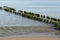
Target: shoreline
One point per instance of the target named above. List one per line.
(31, 38)
(32, 34)
(27, 31)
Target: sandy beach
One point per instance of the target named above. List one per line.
(31, 38)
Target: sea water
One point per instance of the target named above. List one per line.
(45, 7)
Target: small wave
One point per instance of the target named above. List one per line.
(12, 31)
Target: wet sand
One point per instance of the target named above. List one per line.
(31, 38)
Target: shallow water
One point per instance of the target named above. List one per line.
(27, 31)
(8, 19)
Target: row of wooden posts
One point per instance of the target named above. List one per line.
(34, 16)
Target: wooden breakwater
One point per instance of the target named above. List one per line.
(34, 16)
